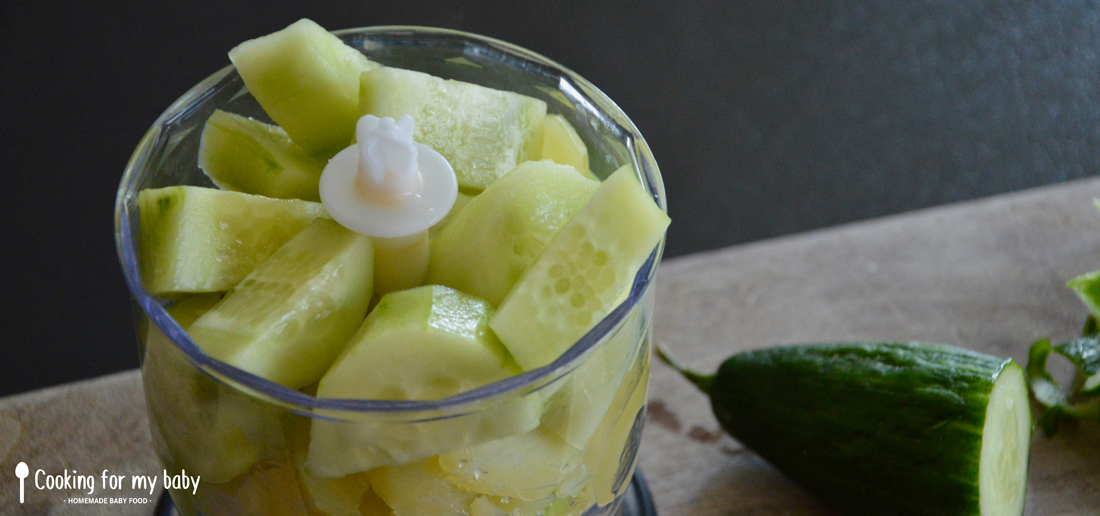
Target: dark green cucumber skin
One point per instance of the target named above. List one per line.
(869, 428)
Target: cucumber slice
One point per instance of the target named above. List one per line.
(483, 132)
(245, 155)
(573, 284)
(308, 82)
(204, 427)
(206, 240)
(562, 144)
(883, 428)
(290, 318)
(487, 246)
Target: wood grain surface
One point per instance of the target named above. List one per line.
(987, 275)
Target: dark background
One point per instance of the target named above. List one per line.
(766, 117)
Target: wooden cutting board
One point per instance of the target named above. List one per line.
(987, 275)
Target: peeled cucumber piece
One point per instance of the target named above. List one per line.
(245, 155)
(461, 200)
(307, 81)
(579, 406)
(195, 239)
(426, 343)
(562, 144)
(528, 467)
(483, 132)
(499, 234)
(289, 319)
(419, 489)
(611, 456)
(583, 270)
(883, 428)
(204, 427)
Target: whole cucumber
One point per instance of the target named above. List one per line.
(883, 428)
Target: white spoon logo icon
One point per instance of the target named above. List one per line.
(21, 471)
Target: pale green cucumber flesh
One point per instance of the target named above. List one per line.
(581, 273)
(204, 426)
(290, 318)
(884, 428)
(307, 81)
(499, 234)
(529, 466)
(1006, 440)
(194, 239)
(482, 132)
(562, 144)
(426, 343)
(245, 155)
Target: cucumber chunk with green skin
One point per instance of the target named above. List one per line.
(883, 428)
(487, 246)
(245, 155)
(483, 132)
(582, 271)
(195, 239)
(425, 343)
(289, 319)
(307, 81)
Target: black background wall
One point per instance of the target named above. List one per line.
(767, 118)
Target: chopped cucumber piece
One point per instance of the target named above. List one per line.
(426, 343)
(575, 410)
(1087, 287)
(883, 428)
(482, 506)
(562, 144)
(308, 82)
(461, 200)
(483, 132)
(289, 319)
(609, 456)
(196, 239)
(573, 284)
(270, 488)
(488, 245)
(245, 155)
(419, 489)
(205, 427)
(528, 466)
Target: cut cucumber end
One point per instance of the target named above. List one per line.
(1006, 439)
